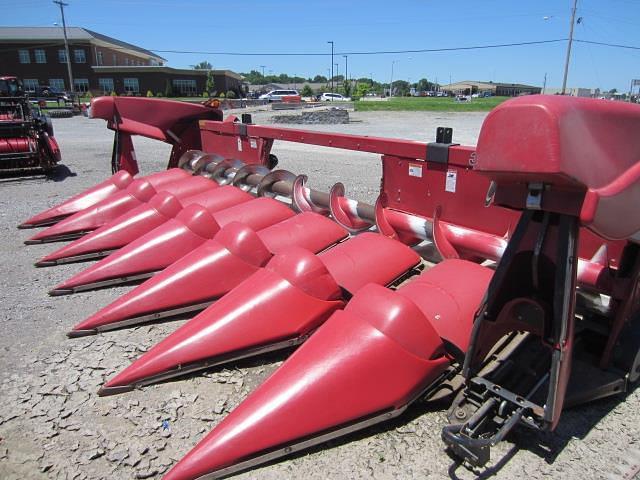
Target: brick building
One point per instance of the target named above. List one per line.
(100, 64)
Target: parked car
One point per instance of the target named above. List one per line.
(45, 91)
(333, 97)
(276, 95)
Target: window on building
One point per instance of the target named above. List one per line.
(126, 61)
(57, 83)
(23, 55)
(41, 56)
(30, 84)
(99, 59)
(131, 85)
(114, 57)
(62, 56)
(79, 56)
(81, 85)
(106, 85)
(184, 87)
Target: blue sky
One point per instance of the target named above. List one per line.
(306, 26)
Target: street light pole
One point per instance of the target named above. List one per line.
(61, 4)
(337, 74)
(346, 68)
(391, 82)
(331, 42)
(566, 62)
(262, 67)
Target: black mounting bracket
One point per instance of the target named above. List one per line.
(438, 151)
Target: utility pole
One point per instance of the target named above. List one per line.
(566, 62)
(61, 4)
(346, 68)
(262, 67)
(544, 85)
(391, 82)
(331, 42)
(337, 65)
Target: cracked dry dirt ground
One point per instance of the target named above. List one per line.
(54, 426)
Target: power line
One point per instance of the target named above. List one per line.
(377, 52)
(616, 45)
(381, 52)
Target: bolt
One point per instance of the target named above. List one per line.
(460, 414)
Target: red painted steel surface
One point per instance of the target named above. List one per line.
(449, 295)
(287, 299)
(371, 357)
(217, 266)
(578, 143)
(149, 117)
(147, 216)
(368, 258)
(291, 295)
(386, 146)
(83, 200)
(137, 192)
(16, 145)
(164, 245)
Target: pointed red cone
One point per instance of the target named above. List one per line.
(79, 202)
(139, 192)
(273, 309)
(117, 182)
(164, 245)
(364, 365)
(142, 219)
(212, 270)
(292, 295)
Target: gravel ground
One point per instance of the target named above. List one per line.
(54, 426)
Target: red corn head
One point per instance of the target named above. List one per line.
(172, 240)
(109, 209)
(278, 306)
(212, 270)
(142, 219)
(367, 362)
(97, 193)
(365, 365)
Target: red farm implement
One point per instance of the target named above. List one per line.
(530, 303)
(26, 136)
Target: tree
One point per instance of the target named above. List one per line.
(320, 79)
(362, 88)
(401, 88)
(424, 85)
(204, 65)
(210, 86)
(306, 91)
(346, 88)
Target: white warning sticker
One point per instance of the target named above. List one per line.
(253, 143)
(239, 144)
(415, 170)
(450, 184)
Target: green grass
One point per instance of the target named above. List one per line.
(434, 104)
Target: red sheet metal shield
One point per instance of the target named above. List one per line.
(370, 359)
(138, 192)
(142, 219)
(79, 202)
(164, 245)
(211, 270)
(276, 307)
